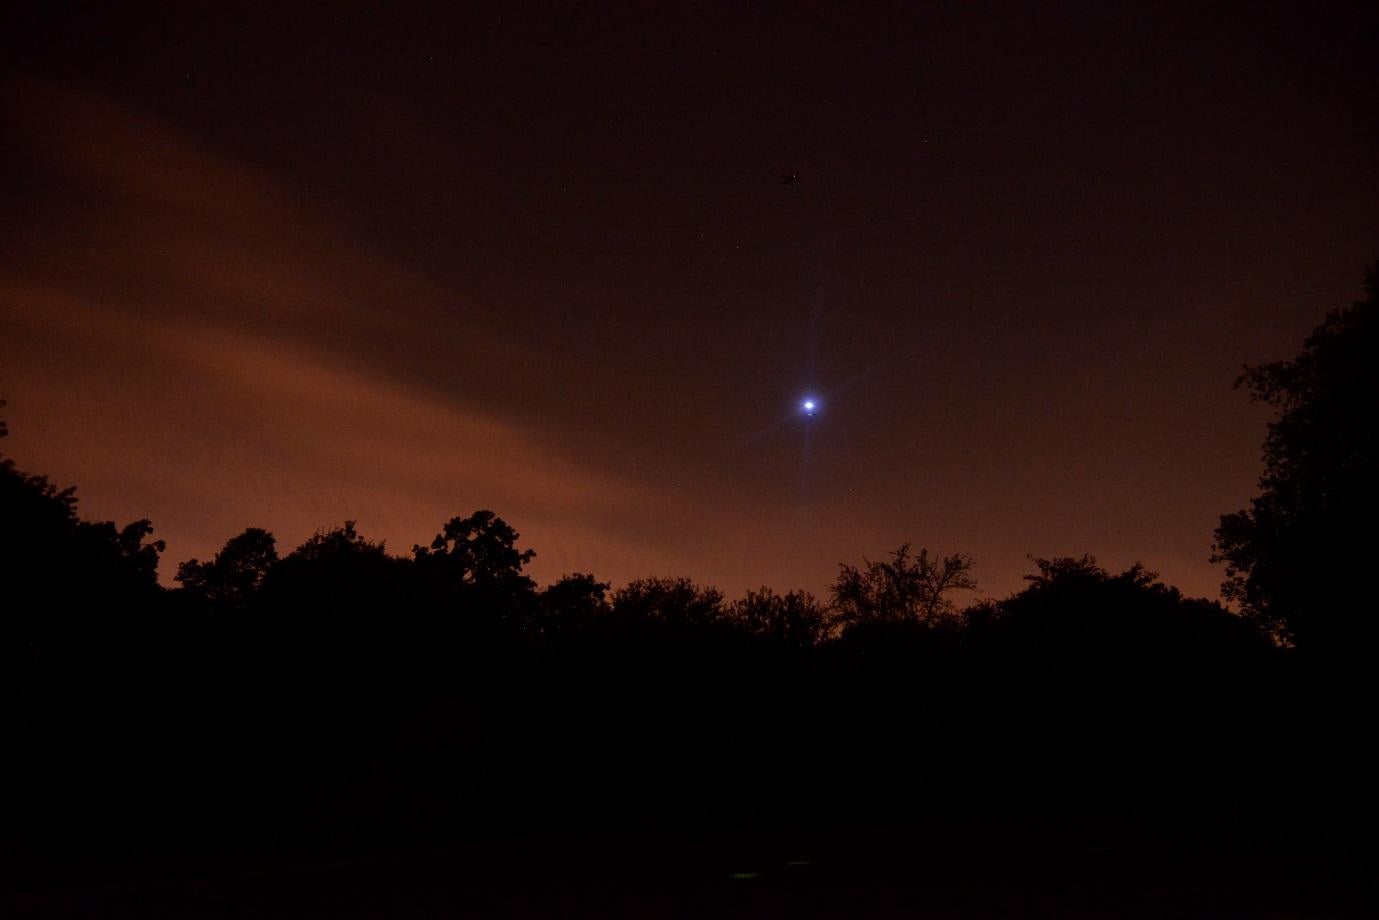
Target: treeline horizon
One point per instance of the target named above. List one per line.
(327, 655)
(339, 691)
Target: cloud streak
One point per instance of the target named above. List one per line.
(199, 346)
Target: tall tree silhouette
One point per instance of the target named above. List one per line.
(475, 565)
(911, 588)
(477, 550)
(48, 551)
(1295, 559)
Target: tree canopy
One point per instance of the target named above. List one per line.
(1297, 556)
(907, 588)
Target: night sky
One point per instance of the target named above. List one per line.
(357, 262)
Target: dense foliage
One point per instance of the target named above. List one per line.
(1297, 557)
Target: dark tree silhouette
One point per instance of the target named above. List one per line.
(1075, 609)
(474, 566)
(330, 553)
(50, 556)
(676, 601)
(477, 550)
(794, 619)
(1099, 683)
(1296, 558)
(570, 604)
(336, 574)
(236, 572)
(909, 588)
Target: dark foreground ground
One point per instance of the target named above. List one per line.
(1094, 868)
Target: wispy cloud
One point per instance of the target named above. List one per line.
(187, 339)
